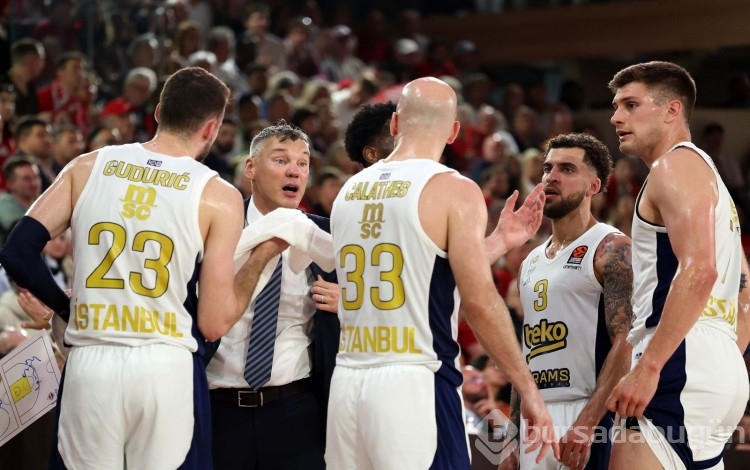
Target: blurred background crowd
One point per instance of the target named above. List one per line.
(77, 75)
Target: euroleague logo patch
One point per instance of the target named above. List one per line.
(578, 253)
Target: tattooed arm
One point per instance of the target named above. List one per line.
(743, 322)
(614, 271)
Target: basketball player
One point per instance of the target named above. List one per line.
(368, 139)
(407, 231)
(575, 291)
(688, 385)
(149, 222)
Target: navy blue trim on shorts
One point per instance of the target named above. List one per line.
(452, 451)
(710, 463)
(666, 411)
(601, 451)
(199, 455)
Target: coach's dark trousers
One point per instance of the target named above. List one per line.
(285, 434)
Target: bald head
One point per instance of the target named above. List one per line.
(427, 107)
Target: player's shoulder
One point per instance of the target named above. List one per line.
(614, 246)
(456, 187)
(681, 162)
(219, 192)
(453, 194)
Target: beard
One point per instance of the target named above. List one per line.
(558, 210)
(203, 153)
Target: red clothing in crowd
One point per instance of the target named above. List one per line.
(71, 109)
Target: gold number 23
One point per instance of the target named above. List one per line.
(98, 279)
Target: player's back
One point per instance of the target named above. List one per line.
(398, 298)
(137, 246)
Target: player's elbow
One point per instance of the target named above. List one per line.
(701, 275)
(212, 329)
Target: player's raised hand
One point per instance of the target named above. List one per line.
(515, 226)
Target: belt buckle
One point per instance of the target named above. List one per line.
(250, 393)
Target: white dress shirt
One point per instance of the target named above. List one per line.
(291, 357)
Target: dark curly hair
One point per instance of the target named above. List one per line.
(596, 154)
(369, 128)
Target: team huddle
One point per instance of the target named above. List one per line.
(641, 338)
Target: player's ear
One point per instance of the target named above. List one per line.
(674, 110)
(454, 132)
(209, 128)
(370, 154)
(157, 112)
(394, 124)
(595, 186)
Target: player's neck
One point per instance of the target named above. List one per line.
(417, 148)
(567, 229)
(171, 145)
(664, 144)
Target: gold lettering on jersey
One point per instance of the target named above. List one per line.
(138, 202)
(112, 317)
(734, 222)
(140, 174)
(725, 309)
(551, 378)
(544, 338)
(379, 339)
(368, 190)
(372, 220)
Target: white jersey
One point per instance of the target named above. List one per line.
(137, 247)
(565, 339)
(655, 264)
(399, 300)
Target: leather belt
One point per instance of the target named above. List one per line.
(249, 398)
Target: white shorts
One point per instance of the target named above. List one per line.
(126, 406)
(395, 417)
(563, 416)
(701, 396)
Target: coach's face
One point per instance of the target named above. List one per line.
(279, 174)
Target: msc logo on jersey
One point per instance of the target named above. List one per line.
(385, 176)
(372, 220)
(138, 202)
(544, 338)
(156, 163)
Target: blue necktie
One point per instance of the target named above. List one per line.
(263, 332)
